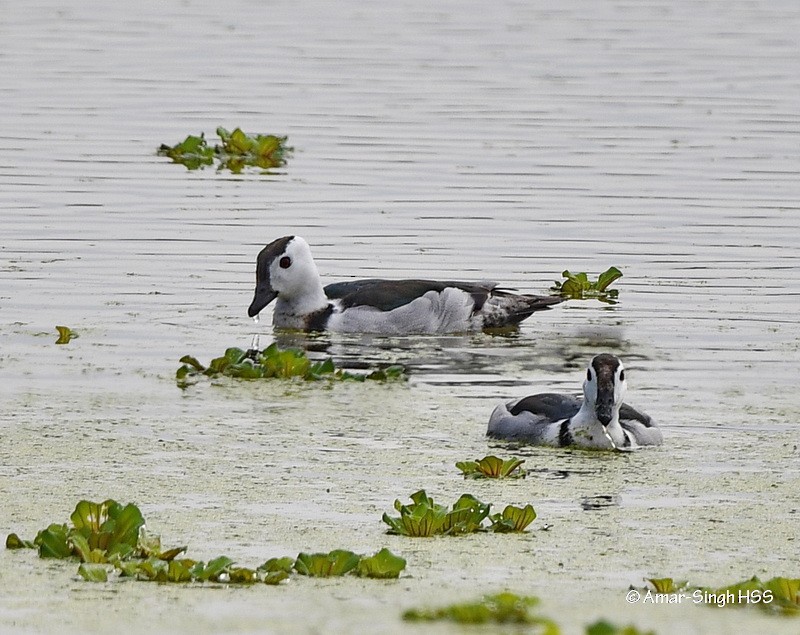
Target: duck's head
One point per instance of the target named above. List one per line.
(604, 386)
(285, 269)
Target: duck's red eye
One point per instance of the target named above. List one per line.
(285, 262)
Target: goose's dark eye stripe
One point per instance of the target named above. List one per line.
(588, 375)
(622, 375)
(285, 262)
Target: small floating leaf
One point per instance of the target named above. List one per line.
(666, 585)
(275, 577)
(323, 565)
(93, 572)
(193, 152)
(65, 334)
(213, 569)
(278, 564)
(513, 519)
(578, 286)
(53, 543)
(15, 542)
(383, 564)
(501, 608)
(603, 627)
(606, 278)
(492, 467)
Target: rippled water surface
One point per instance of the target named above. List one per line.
(443, 140)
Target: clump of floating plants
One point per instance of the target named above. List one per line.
(424, 518)
(499, 608)
(107, 537)
(236, 151)
(65, 334)
(603, 627)
(578, 286)
(776, 595)
(492, 467)
(274, 362)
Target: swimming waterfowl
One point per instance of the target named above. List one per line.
(286, 270)
(600, 420)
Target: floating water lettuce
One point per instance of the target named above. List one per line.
(577, 286)
(324, 565)
(383, 564)
(239, 150)
(667, 585)
(776, 595)
(193, 152)
(513, 519)
(274, 362)
(65, 334)
(108, 537)
(492, 467)
(424, 517)
(602, 627)
(500, 608)
(236, 151)
(93, 572)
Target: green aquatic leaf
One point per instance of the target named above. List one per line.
(81, 548)
(53, 543)
(500, 608)
(513, 519)
(322, 565)
(383, 564)
(275, 577)
(607, 277)
(108, 526)
(578, 286)
(93, 572)
(467, 515)
(236, 151)
(213, 569)
(192, 362)
(603, 627)
(15, 542)
(424, 518)
(395, 371)
(65, 334)
(149, 546)
(666, 585)
(784, 589)
(274, 362)
(777, 595)
(492, 467)
(278, 564)
(193, 152)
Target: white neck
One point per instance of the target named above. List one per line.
(588, 431)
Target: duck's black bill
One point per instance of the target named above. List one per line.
(605, 412)
(264, 295)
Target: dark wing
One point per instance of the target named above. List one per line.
(550, 406)
(629, 413)
(387, 295)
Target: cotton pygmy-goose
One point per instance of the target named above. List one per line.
(286, 270)
(600, 420)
